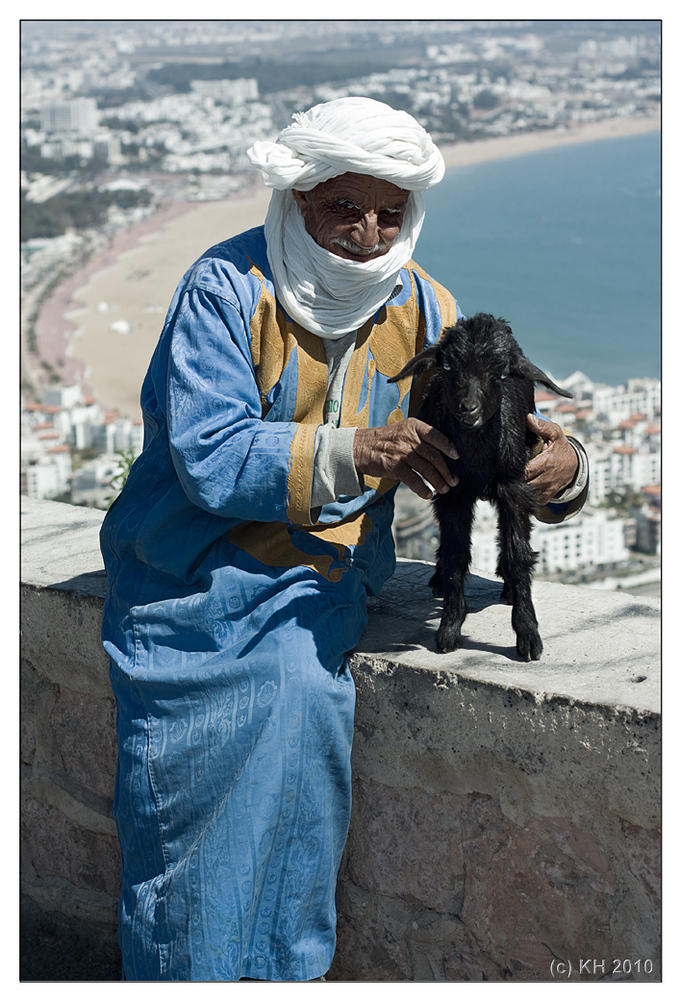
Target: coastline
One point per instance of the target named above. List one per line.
(134, 280)
(464, 153)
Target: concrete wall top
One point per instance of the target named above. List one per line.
(60, 547)
(600, 648)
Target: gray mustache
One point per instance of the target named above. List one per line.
(347, 244)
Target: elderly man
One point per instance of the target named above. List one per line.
(247, 538)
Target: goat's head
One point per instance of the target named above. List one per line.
(474, 358)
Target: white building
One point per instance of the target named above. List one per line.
(648, 528)
(118, 433)
(63, 396)
(40, 480)
(231, 91)
(91, 485)
(59, 149)
(104, 146)
(634, 468)
(599, 459)
(592, 538)
(618, 403)
(45, 473)
(613, 469)
(80, 116)
(107, 147)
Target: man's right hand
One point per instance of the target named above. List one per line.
(406, 451)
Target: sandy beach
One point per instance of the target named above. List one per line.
(129, 288)
(465, 153)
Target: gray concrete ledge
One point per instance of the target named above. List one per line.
(504, 813)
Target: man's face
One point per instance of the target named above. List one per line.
(353, 216)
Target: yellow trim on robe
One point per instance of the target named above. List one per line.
(300, 475)
(384, 346)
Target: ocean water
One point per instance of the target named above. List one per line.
(565, 244)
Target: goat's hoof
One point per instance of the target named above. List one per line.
(529, 647)
(447, 639)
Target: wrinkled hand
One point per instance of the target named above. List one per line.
(406, 451)
(557, 464)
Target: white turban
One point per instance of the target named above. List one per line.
(325, 293)
(351, 135)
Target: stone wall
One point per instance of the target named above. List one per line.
(531, 790)
(505, 823)
(69, 848)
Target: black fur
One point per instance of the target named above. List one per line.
(480, 390)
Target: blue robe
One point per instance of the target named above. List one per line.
(231, 609)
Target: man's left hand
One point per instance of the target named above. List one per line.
(557, 464)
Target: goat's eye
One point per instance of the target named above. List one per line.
(446, 366)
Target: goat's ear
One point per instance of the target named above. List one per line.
(523, 367)
(426, 359)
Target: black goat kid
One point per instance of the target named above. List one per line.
(480, 390)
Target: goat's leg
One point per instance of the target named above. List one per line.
(516, 562)
(453, 563)
(436, 582)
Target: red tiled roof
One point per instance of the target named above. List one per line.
(41, 408)
(623, 450)
(58, 447)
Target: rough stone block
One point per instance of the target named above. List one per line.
(532, 893)
(373, 935)
(28, 709)
(85, 737)
(393, 830)
(60, 636)
(54, 846)
(643, 853)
